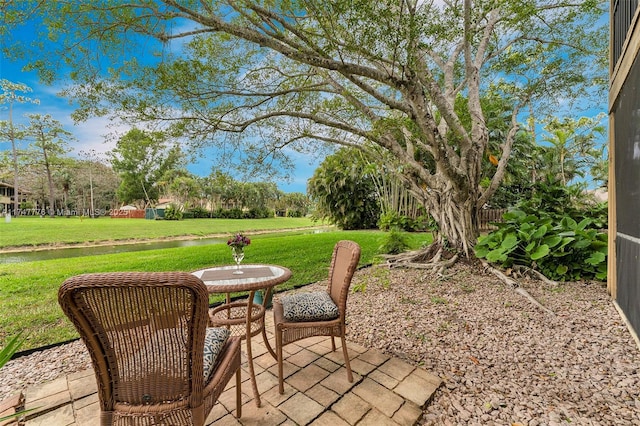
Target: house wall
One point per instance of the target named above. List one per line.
(624, 161)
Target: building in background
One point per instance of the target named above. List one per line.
(7, 195)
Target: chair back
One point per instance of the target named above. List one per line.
(144, 332)
(344, 262)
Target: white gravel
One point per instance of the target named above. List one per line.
(503, 360)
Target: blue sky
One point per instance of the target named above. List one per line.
(91, 134)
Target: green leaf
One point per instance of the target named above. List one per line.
(539, 232)
(540, 252)
(481, 251)
(12, 347)
(568, 222)
(496, 255)
(524, 235)
(509, 242)
(527, 227)
(595, 258)
(545, 222)
(580, 244)
(484, 239)
(530, 246)
(562, 269)
(552, 240)
(565, 241)
(512, 215)
(567, 234)
(584, 222)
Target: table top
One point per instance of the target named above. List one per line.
(220, 279)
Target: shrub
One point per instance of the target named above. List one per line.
(235, 213)
(561, 249)
(258, 213)
(198, 213)
(344, 191)
(173, 212)
(395, 242)
(554, 232)
(392, 220)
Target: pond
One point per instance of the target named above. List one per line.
(30, 256)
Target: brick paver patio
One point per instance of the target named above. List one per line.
(385, 391)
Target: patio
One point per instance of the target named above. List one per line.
(385, 390)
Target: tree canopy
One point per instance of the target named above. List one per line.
(142, 159)
(408, 76)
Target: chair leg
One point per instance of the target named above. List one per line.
(106, 418)
(333, 344)
(346, 358)
(280, 360)
(238, 394)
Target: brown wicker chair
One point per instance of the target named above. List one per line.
(346, 255)
(145, 333)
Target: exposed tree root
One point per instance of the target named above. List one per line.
(430, 257)
(438, 266)
(516, 287)
(524, 270)
(438, 259)
(433, 257)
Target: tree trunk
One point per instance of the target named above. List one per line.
(14, 152)
(16, 196)
(52, 197)
(457, 222)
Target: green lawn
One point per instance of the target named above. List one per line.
(36, 231)
(28, 290)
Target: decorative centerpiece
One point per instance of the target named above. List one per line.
(237, 243)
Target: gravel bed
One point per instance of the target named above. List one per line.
(503, 361)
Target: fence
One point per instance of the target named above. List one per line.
(485, 217)
(127, 214)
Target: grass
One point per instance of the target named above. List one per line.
(28, 290)
(36, 231)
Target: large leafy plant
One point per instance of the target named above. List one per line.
(552, 234)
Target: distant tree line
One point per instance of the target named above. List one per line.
(144, 169)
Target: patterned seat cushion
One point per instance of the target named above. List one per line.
(214, 340)
(315, 306)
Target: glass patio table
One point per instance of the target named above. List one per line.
(243, 318)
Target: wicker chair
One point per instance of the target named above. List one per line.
(145, 333)
(346, 255)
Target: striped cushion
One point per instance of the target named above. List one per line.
(315, 306)
(214, 340)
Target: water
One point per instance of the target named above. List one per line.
(30, 256)
(63, 253)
